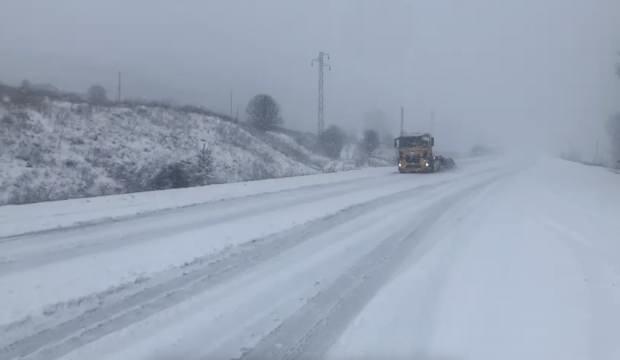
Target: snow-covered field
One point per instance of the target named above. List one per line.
(498, 259)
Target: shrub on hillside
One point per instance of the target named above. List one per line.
(202, 172)
(36, 185)
(171, 176)
(28, 195)
(258, 171)
(181, 174)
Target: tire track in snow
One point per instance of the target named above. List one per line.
(201, 275)
(310, 332)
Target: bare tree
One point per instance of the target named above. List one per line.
(613, 128)
(97, 95)
(370, 141)
(332, 141)
(264, 112)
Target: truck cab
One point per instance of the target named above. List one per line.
(415, 153)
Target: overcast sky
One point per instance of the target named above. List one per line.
(495, 71)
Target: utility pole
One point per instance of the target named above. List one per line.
(119, 87)
(596, 151)
(322, 64)
(231, 104)
(432, 121)
(402, 121)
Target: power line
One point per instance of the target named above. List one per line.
(322, 65)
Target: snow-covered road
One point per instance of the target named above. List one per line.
(496, 259)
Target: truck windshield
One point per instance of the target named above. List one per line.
(404, 142)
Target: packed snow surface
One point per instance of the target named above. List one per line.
(498, 259)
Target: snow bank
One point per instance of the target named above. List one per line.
(19, 219)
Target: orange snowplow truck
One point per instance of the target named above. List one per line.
(415, 154)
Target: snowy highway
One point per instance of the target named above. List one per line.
(495, 259)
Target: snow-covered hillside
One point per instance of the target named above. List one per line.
(57, 149)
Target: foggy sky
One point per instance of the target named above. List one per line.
(535, 71)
